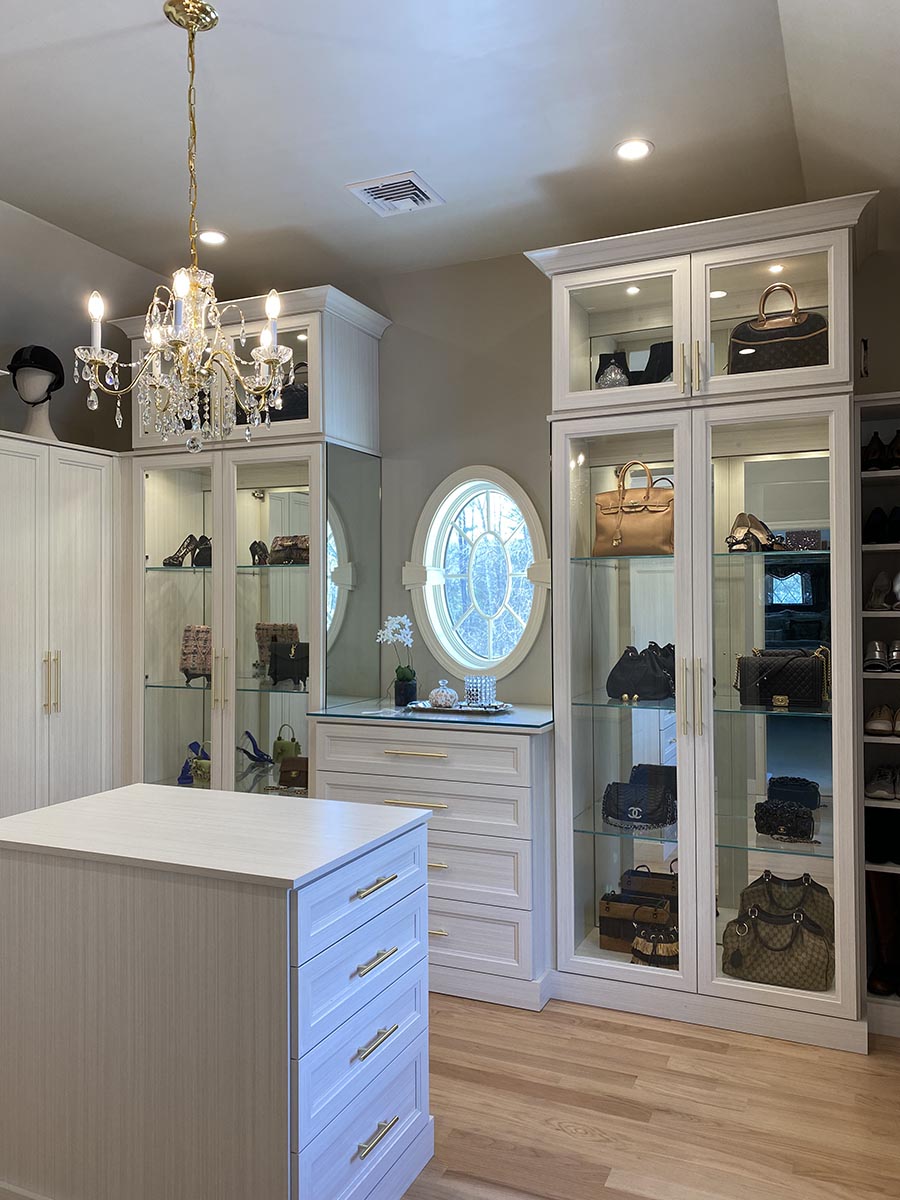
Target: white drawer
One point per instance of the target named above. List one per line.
(330, 988)
(337, 1165)
(495, 810)
(483, 870)
(327, 1079)
(480, 937)
(331, 907)
(423, 754)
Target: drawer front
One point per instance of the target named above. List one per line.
(337, 983)
(327, 1078)
(480, 937)
(479, 758)
(479, 869)
(328, 909)
(348, 1158)
(495, 810)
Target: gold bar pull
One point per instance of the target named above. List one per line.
(684, 721)
(415, 804)
(56, 659)
(698, 696)
(215, 678)
(380, 957)
(682, 373)
(380, 882)
(438, 933)
(384, 1128)
(695, 367)
(416, 754)
(378, 1040)
(438, 866)
(46, 704)
(223, 690)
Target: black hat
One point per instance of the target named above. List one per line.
(41, 359)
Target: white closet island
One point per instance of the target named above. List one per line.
(209, 996)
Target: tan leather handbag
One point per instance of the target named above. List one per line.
(634, 521)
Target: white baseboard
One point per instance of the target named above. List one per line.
(883, 1015)
(811, 1029)
(408, 1167)
(532, 994)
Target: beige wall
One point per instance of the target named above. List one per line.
(46, 276)
(465, 380)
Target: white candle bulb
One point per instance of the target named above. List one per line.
(156, 344)
(273, 309)
(95, 312)
(265, 338)
(181, 285)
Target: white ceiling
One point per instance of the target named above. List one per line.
(508, 108)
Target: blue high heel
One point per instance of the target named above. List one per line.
(258, 755)
(186, 779)
(198, 750)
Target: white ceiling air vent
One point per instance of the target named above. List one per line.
(395, 194)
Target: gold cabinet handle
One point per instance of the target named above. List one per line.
(215, 678)
(56, 661)
(684, 720)
(698, 696)
(46, 705)
(417, 753)
(682, 373)
(378, 1040)
(380, 882)
(695, 367)
(415, 804)
(438, 866)
(223, 690)
(384, 1128)
(380, 957)
(438, 933)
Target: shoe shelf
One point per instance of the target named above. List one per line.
(881, 548)
(871, 802)
(880, 613)
(883, 868)
(892, 475)
(885, 739)
(894, 675)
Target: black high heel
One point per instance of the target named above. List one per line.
(188, 546)
(259, 554)
(202, 556)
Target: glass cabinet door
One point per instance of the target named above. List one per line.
(273, 662)
(778, 811)
(179, 622)
(624, 328)
(628, 838)
(771, 315)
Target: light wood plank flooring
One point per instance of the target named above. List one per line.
(579, 1103)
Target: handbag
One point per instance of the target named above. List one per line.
(647, 801)
(788, 950)
(784, 678)
(201, 764)
(289, 660)
(779, 342)
(784, 820)
(634, 521)
(294, 772)
(292, 550)
(643, 675)
(285, 747)
(785, 896)
(619, 914)
(270, 631)
(652, 883)
(796, 789)
(655, 948)
(195, 659)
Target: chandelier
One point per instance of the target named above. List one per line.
(191, 382)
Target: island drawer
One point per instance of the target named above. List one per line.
(464, 756)
(332, 986)
(483, 870)
(496, 810)
(480, 937)
(348, 1158)
(329, 1076)
(328, 909)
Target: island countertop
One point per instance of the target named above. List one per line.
(284, 842)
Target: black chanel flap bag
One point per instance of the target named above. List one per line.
(780, 341)
(784, 678)
(796, 789)
(647, 801)
(784, 820)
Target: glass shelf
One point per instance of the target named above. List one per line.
(739, 833)
(198, 686)
(590, 820)
(242, 568)
(740, 556)
(249, 684)
(727, 705)
(187, 569)
(595, 700)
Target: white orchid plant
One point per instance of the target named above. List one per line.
(397, 632)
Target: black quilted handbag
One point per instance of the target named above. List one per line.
(784, 820)
(796, 789)
(784, 678)
(289, 660)
(647, 801)
(779, 342)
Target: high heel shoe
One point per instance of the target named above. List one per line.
(259, 554)
(764, 535)
(741, 539)
(258, 755)
(875, 454)
(188, 546)
(881, 588)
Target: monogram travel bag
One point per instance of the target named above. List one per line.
(780, 341)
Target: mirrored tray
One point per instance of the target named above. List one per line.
(462, 708)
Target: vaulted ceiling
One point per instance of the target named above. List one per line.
(510, 109)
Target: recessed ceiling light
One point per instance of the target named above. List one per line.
(634, 148)
(212, 237)
(776, 269)
(718, 295)
(748, 350)
(301, 337)
(632, 291)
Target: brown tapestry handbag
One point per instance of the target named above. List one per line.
(655, 948)
(195, 660)
(781, 341)
(620, 914)
(781, 950)
(653, 883)
(292, 550)
(270, 631)
(634, 520)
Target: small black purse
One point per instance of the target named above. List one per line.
(647, 801)
(784, 821)
(289, 660)
(795, 789)
(643, 675)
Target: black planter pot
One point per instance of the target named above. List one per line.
(404, 692)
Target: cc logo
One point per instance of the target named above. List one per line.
(634, 813)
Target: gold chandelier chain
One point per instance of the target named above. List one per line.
(192, 147)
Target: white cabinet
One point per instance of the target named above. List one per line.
(656, 318)
(56, 595)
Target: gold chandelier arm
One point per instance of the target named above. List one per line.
(108, 391)
(249, 388)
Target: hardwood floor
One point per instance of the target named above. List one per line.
(579, 1103)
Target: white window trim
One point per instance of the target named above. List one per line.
(419, 575)
(343, 576)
